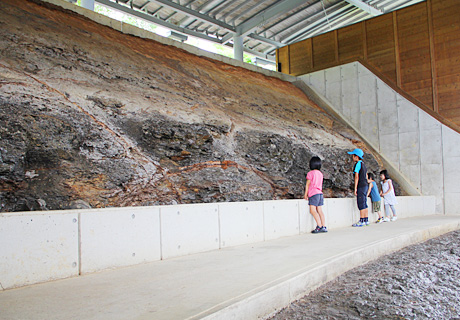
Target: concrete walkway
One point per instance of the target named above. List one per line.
(245, 282)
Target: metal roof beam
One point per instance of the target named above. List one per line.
(205, 7)
(343, 20)
(311, 25)
(366, 7)
(266, 40)
(196, 14)
(311, 16)
(247, 10)
(254, 36)
(264, 16)
(286, 18)
(227, 4)
(148, 17)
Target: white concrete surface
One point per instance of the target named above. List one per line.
(241, 223)
(118, 237)
(189, 229)
(281, 219)
(418, 148)
(244, 282)
(39, 247)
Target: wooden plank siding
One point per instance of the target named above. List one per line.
(324, 47)
(350, 43)
(381, 45)
(446, 30)
(414, 53)
(415, 49)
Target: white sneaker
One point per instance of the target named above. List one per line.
(394, 218)
(386, 219)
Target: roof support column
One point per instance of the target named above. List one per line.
(88, 4)
(238, 47)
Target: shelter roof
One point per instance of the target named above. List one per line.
(265, 25)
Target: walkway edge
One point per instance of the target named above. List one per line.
(263, 304)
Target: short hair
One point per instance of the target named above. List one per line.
(315, 163)
(370, 175)
(385, 173)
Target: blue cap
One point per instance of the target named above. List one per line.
(357, 152)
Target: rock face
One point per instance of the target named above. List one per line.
(90, 117)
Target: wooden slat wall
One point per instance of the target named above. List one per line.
(324, 50)
(300, 54)
(414, 53)
(351, 42)
(381, 45)
(446, 29)
(282, 59)
(416, 49)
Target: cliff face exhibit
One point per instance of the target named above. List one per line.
(91, 117)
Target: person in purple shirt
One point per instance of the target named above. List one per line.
(314, 194)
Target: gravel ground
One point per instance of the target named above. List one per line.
(418, 282)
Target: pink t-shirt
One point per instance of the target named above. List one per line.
(316, 184)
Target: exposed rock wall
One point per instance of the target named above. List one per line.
(90, 116)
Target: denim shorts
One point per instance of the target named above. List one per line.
(316, 200)
(361, 197)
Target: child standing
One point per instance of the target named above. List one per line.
(388, 193)
(375, 197)
(314, 194)
(361, 187)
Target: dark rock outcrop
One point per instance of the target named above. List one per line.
(89, 115)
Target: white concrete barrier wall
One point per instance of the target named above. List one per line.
(118, 237)
(42, 246)
(37, 247)
(189, 229)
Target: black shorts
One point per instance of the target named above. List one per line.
(361, 197)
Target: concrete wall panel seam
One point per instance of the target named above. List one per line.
(79, 243)
(161, 234)
(444, 171)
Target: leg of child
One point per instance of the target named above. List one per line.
(321, 216)
(393, 209)
(315, 215)
(379, 208)
(387, 210)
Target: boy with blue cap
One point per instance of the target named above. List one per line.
(361, 187)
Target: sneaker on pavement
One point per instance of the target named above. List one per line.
(379, 220)
(316, 230)
(358, 224)
(394, 218)
(323, 229)
(366, 223)
(386, 219)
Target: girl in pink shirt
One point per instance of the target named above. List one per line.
(314, 194)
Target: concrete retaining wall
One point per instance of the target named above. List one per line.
(420, 148)
(49, 245)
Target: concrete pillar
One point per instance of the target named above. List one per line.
(238, 47)
(88, 4)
